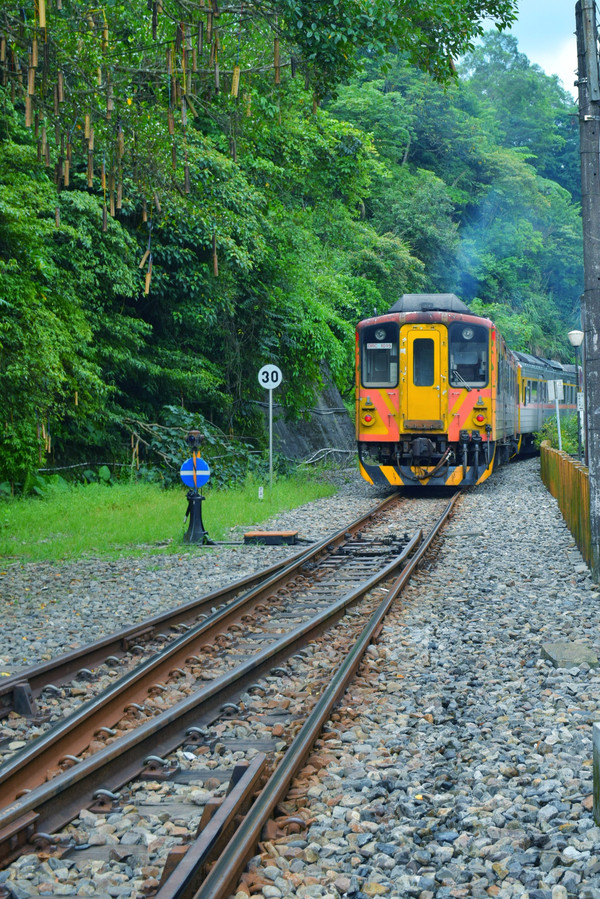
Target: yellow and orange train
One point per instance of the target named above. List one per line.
(441, 400)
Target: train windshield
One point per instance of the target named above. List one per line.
(379, 355)
(469, 355)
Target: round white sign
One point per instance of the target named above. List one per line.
(270, 377)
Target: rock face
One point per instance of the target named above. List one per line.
(329, 427)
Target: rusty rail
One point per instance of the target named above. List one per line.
(56, 802)
(18, 691)
(568, 482)
(225, 873)
(25, 769)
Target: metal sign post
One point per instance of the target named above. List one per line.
(270, 377)
(195, 473)
(556, 392)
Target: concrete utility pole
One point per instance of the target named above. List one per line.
(589, 133)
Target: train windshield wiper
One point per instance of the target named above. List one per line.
(459, 377)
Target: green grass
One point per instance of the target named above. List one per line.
(135, 519)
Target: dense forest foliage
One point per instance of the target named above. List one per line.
(181, 202)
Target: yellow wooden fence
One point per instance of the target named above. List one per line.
(568, 481)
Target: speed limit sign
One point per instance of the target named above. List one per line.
(270, 377)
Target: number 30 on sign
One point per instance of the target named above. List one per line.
(270, 377)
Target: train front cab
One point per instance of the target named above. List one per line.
(425, 400)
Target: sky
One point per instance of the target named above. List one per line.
(545, 30)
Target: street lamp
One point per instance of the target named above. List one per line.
(576, 339)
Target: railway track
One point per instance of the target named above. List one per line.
(154, 724)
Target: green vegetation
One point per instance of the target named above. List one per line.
(186, 194)
(136, 519)
(568, 433)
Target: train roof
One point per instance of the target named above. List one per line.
(528, 360)
(430, 302)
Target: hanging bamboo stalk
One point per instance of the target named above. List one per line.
(148, 276)
(191, 106)
(60, 86)
(86, 126)
(111, 193)
(91, 139)
(200, 38)
(90, 169)
(2, 48)
(157, 202)
(34, 53)
(55, 99)
(42, 13)
(235, 81)
(144, 211)
(120, 142)
(28, 116)
(215, 257)
(154, 20)
(119, 203)
(276, 60)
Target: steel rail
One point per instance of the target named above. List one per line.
(52, 805)
(65, 667)
(73, 734)
(18, 691)
(225, 873)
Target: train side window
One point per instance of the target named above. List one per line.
(379, 355)
(423, 361)
(534, 386)
(524, 393)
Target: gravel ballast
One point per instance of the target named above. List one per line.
(458, 764)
